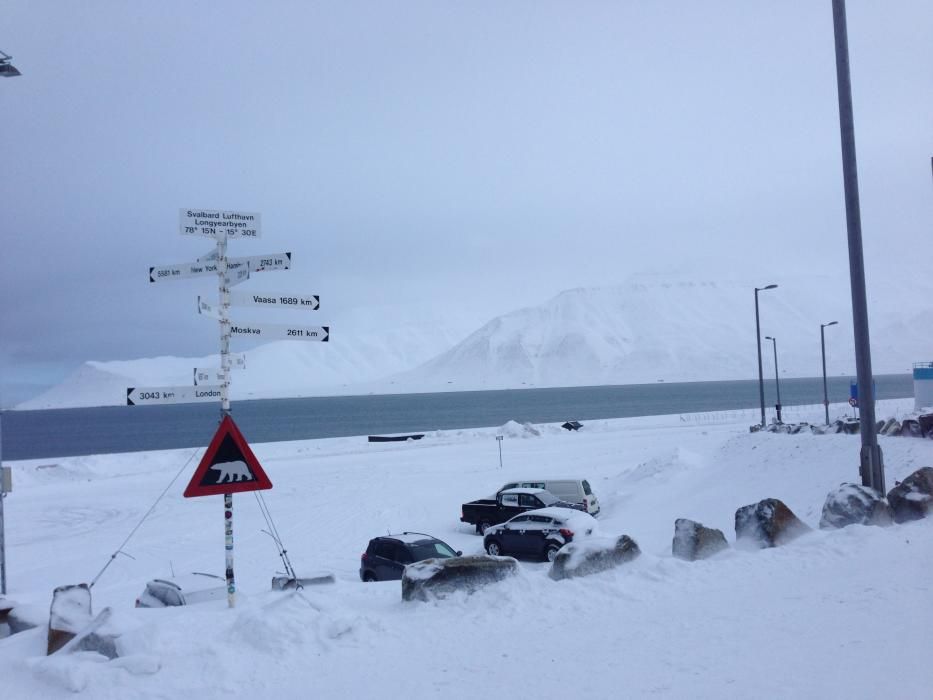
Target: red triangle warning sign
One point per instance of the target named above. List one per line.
(228, 466)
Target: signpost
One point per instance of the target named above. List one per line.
(155, 395)
(228, 454)
(275, 331)
(213, 223)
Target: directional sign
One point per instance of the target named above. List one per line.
(308, 302)
(270, 331)
(228, 465)
(149, 396)
(211, 223)
(236, 267)
(205, 308)
(189, 269)
(258, 263)
(215, 375)
(231, 279)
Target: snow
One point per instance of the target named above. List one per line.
(835, 613)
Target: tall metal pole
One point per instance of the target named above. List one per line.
(823, 351)
(761, 377)
(777, 381)
(871, 463)
(225, 404)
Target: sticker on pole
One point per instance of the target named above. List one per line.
(228, 466)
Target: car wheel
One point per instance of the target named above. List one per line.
(369, 578)
(483, 526)
(493, 548)
(551, 552)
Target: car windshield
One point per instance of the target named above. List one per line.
(547, 498)
(429, 550)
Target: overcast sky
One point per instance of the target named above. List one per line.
(474, 156)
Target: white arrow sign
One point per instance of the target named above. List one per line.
(269, 331)
(211, 222)
(236, 267)
(308, 302)
(205, 308)
(146, 396)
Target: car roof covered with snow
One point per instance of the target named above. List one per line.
(410, 537)
(533, 492)
(565, 515)
(192, 582)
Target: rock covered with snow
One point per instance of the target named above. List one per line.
(768, 523)
(592, 555)
(851, 504)
(912, 498)
(515, 429)
(436, 578)
(693, 541)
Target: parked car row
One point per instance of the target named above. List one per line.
(526, 518)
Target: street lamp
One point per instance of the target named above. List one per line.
(871, 463)
(7, 69)
(761, 379)
(777, 381)
(823, 349)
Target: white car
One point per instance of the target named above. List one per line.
(538, 533)
(571, 490)
(187, 589)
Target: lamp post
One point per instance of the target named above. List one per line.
(7, 69)
(777, 381)
(761, 378)
(823, 350)
(871, 463)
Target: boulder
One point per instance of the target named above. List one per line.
(855, 504)
(768, 523)
(892, 427)
(693, 540)
(592, 555)
(926, 425)
(911, 428)
(851, 427)
(912, 499)
(438, 577)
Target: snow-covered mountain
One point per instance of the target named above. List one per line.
(652, 328)
(659, 328)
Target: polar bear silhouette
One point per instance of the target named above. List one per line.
(232, 471)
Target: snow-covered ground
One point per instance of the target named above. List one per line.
(834, 614)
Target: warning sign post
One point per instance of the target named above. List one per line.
(227, 467)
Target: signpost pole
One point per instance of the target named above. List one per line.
(225, 404)
(2, 535)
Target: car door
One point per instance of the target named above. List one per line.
(512, 535)
(387, 565)
(537, 532)
(508, 506)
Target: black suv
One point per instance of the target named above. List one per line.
(385, 557)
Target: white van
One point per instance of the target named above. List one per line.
(572, 490)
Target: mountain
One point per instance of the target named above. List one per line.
(668, 329)
(652, 328)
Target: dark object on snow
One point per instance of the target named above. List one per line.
(572, 425)
(395, 438)
(926, 425)
(852, 504)
(287, 583)
(768, 523)
(892, 427)
(851, 427)
(435, 578)
(911, 428)
(72, 627)
(588, 557)
(5, 607)
(912, 499)
(693, 540)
